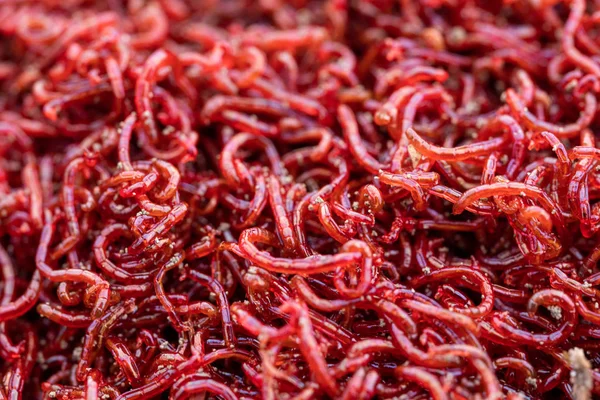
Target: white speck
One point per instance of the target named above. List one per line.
(555, 312)
(415, 156)
(77, 353)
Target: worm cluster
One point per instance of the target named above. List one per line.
(303, 199)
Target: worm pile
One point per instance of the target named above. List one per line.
(303, 199)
